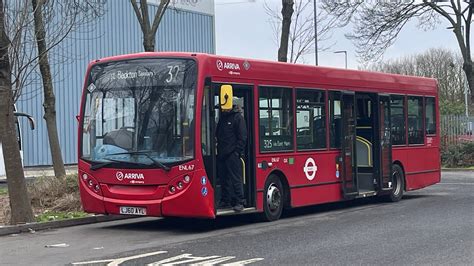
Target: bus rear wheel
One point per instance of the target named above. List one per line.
(273, 199)
(398, 179)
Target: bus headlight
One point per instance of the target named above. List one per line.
(89, 181)
(187, 179)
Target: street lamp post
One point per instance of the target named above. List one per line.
(345, 56)
(315, 32)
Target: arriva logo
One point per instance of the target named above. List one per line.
(131, 176)
(227, 65)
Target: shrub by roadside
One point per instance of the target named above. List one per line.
(460, 155)
(51, 199)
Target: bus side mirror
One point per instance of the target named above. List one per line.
(226, 95)
(78, 118)
(29, 117)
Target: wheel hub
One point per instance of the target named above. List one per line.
(396, 180)
(273, 197)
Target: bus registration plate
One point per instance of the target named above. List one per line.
(132, 210)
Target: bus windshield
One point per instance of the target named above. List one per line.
(140, 112)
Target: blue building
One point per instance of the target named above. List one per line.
(188, 25)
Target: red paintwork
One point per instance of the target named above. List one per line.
(154, 192)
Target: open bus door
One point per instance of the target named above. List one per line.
(385, 127)
(242, 96)
(348, 154)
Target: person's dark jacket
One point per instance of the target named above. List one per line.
(231, 133)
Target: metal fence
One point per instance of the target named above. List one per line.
(456, 129)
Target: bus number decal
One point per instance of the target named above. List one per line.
(172, 73)
(186, 167)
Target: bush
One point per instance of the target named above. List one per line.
(53, 194)
(460, 155)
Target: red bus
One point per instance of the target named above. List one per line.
(316, 134)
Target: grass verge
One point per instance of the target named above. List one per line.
(49, 216)
(52, 199)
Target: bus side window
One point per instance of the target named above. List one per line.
(397, 113)
(310, 119)
(275, 119)
(335, 119)
(415, 120)
(430, 116)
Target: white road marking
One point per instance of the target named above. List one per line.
(243, 262)
(178, 260)
(91, 262)
(185, 258)
(115, 262)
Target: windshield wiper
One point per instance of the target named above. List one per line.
(111, 161)
(147, 154)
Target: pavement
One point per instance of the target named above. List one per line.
(434, 225)
(38, 171)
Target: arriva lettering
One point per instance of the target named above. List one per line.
(133, 176)
(232, 66)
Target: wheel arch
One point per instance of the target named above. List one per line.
(286, 186)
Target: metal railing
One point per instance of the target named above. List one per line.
(456, 129)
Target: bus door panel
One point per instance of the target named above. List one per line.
(208, 142)
(348, 155)
(243, 95)
(385, 144)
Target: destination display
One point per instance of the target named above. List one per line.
(138, 73)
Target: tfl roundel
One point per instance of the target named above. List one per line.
(310, 168)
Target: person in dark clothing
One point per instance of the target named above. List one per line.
(231, 134)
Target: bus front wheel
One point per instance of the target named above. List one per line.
(398, 179)
(273, 199)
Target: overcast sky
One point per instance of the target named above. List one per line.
(244, 30)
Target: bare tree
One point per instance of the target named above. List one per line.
(442, 64)
(301, 30)
(286, 12)
(149, 30)
(53, 22)
(378, 23)
(20, 205)
(18, 44)
(49, 103)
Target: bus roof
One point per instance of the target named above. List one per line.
(266, 72)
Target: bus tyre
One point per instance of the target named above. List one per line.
(273, 199)
(398, 179)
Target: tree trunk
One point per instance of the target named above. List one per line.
(469, 71)
(149, 42)
(287, 12)
(48, 91)
(20, 204)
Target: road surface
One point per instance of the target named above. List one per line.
(434, 225)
